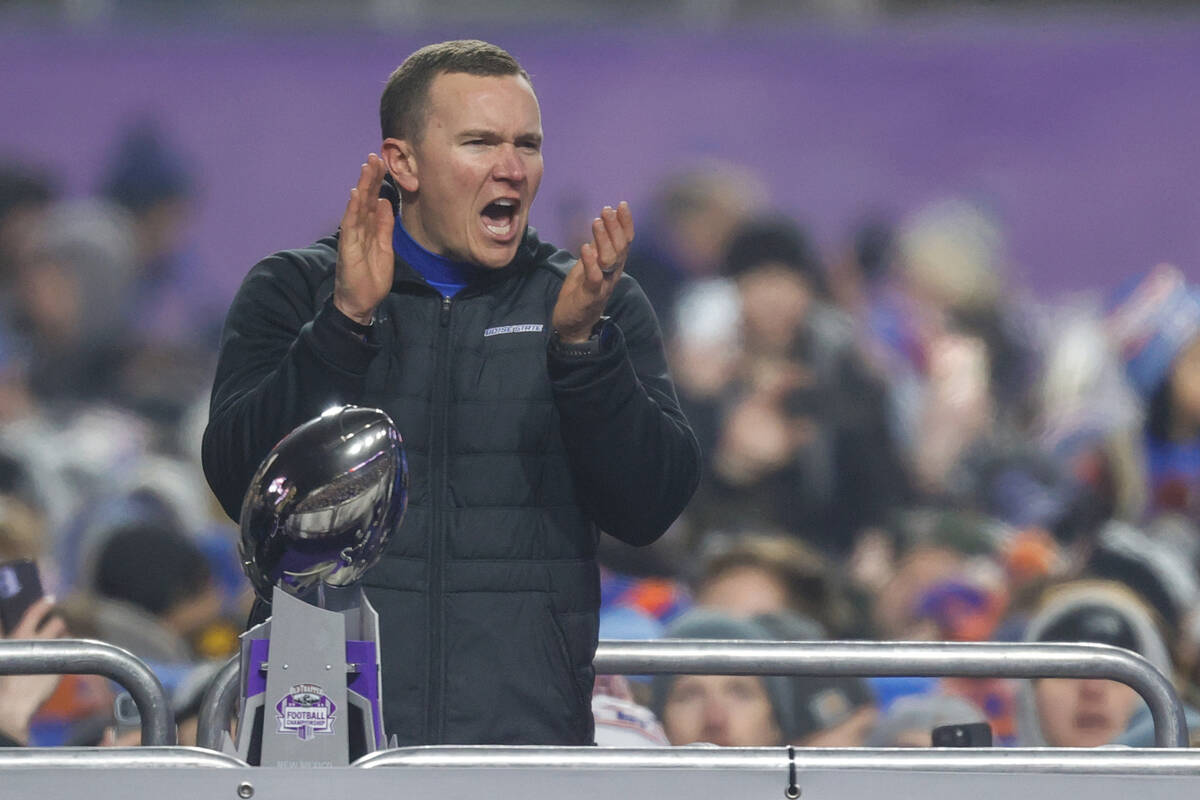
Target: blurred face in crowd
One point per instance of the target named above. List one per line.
(51, 298)
(1083, 713)
(775, 300)
(726, 710)
(160, 228)
(895, 608)
(471, 174)
(1185, 388)
(194, 613)
(744, 591)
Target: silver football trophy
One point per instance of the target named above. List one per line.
(317, 515)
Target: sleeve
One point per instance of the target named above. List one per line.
(633, 456)
(284, 359)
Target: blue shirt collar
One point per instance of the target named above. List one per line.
(437, 270)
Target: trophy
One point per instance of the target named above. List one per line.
(317, 515)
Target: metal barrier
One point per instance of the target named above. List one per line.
(907, 659)
(591, 773)
(114, 757)
(894, 659)
(86, 657)
(218, 705)
(1060, 760)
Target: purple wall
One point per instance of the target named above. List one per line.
(1082, 137)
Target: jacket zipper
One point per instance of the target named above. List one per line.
(440, 430)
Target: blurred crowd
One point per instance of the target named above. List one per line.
(900, 444)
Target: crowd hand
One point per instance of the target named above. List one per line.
(758, 437)
(22, 695)
(590, 283)
(958, 407)
(365, 260)
(958, 378)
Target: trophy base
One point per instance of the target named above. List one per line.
(311, 694)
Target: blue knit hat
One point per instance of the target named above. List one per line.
(1151, 321)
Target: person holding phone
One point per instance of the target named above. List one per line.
(22, 695)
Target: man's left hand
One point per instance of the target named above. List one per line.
(590, 283)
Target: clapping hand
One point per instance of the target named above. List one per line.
(365, 260)
(590, 283)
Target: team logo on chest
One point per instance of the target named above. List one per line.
(503, 329)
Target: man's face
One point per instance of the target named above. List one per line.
(726, 710)
(1083, 713)
(477, 166)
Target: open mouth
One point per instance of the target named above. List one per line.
(500, 216)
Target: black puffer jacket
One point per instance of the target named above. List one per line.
(488, 595)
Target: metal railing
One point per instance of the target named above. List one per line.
(87, 657)
(115, 758)
(907, 659)
(218, 706)
(1002, 760)
(862, 659)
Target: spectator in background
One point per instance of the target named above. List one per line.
(68, 298)
(1156, 327)
(1162, 575)
(941, 556)
(22, 529)
(16, 398)
(1089, 418)
(22, 695)
(36, 708)
(865, 274)
(960, 364)
(26, 194)
(169, 307)
(154, 592)
(726, 710)
(835, 711)
(151, 182)
(1077, 712)
(620, 720)
(759, 574)
(802, 442)
(693, 214)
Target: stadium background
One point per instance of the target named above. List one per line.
(1053, 143)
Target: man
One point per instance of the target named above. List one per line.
(530, 420)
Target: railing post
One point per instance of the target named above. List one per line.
(87, 657)
(218, 705)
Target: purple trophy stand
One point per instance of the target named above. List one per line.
(311, 693)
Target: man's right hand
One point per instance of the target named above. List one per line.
(365, 259)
